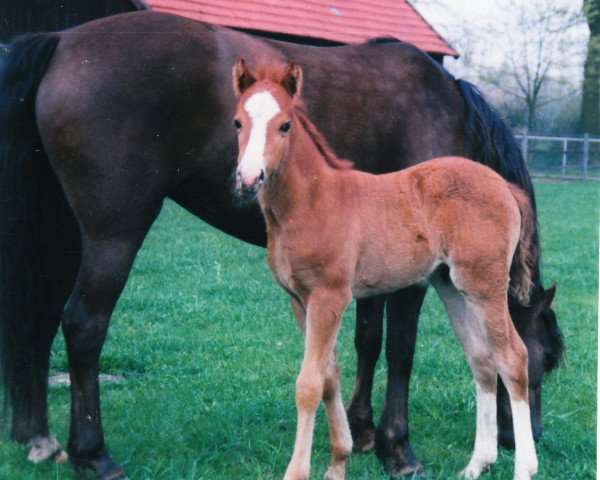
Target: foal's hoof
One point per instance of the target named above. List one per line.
(363, 434)
(45, 448)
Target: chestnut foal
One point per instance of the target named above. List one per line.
(335, 233)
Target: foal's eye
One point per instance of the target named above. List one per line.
(237, 124)
(285, 127)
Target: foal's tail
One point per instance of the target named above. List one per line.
(26, 179)
(526, 255)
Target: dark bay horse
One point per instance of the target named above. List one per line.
(334, 233)
(101, 123)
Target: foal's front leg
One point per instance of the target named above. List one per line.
(318, 379)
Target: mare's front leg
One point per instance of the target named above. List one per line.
(319, 378)
(367, 341)
(105, 265)
(391, 442)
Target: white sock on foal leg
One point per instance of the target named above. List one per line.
(486, 438)
(526, 463)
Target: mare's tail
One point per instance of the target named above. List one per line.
(526, 256)
(25, 180)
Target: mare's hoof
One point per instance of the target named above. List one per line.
(397, 456)
(45, 448)
(117, 475)
(363, 434)
(104, 467)
(408, 472)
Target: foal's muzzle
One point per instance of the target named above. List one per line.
(247, 188)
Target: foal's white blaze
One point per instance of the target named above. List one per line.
(261, 108)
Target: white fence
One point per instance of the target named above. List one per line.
(562, 157)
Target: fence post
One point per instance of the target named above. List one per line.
(564, 157)
(524, 146)
(586, 154)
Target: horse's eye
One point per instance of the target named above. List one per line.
(285, 127)
(237, 124)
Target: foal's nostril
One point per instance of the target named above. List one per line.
(261, 177)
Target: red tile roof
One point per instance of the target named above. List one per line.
(346, 21)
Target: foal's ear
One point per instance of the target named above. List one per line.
(292, 79)
(242, 78)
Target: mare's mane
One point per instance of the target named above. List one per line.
(318, 139)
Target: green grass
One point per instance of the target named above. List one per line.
(209, 352)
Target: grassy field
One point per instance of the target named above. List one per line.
(209, 353)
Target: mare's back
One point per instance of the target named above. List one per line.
(384, 105)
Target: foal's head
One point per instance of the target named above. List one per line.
(263, 120)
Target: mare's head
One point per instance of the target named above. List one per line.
(263, 120)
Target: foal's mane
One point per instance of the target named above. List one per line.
(318, 140)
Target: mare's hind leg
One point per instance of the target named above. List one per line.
(62, 251)
(472, 336)
(392, 443)
(367, 341)
(105, 265)
(42, 445)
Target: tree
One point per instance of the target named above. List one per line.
(590, 105)
(543, 50)
(526, 54)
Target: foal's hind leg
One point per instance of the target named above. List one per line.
(512, 360)
(319, 378)
(340, 440)
(493, 347)
(510, 356)
(475, 345)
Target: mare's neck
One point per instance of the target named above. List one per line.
(300, 181)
